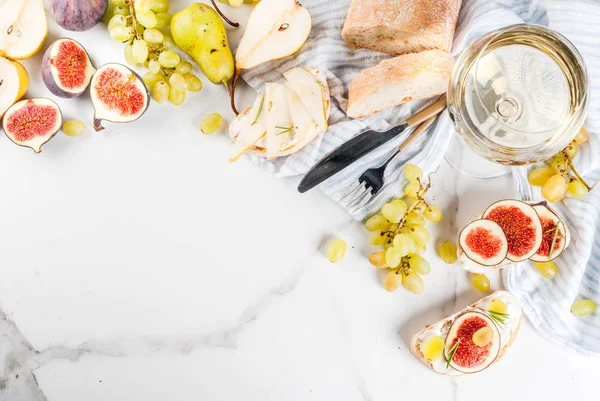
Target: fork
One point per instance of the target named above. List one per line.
(372, 181)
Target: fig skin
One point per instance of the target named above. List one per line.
(78, 15)
(49, 80)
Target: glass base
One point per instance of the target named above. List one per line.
(464, 160)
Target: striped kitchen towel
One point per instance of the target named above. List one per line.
(546, 302)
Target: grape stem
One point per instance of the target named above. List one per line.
(577, 174)
(230, 22)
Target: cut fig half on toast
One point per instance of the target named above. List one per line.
(556, 235)
(484, 242)
(521, 225)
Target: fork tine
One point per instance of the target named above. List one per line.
(359, 197)
(364, 203)
(354, 188)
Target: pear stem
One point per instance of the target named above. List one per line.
(232, 91)
(230, 22)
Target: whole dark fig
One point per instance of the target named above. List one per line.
(78, 15)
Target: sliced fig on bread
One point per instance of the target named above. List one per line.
(484, 242)
(556, 235)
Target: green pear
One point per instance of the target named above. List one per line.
(199, 31)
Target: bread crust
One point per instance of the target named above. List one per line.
(401, 26)
(415, 344)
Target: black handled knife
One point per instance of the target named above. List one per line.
(362, 144)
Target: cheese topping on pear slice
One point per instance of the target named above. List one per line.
(310, 90)
(279, 118)
(252, 127)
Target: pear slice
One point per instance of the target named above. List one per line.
(301, 118)
(276, 29)
(250, 128)
(311, 92)
(14, 82)
(279, 118)
(23, 28)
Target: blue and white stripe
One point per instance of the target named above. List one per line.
(546, 302)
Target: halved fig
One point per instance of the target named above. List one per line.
(464, 355)
(67, 68)
(555, 231)
(32, 122)
(521, 225)
(484, 242)
(118, 95)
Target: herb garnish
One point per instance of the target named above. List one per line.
(260, 108)
(556, 231)
(284, 130)
(452, 352)
(499, 317)
(320, 83)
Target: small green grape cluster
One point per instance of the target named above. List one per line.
(400, 229)
(144, 25)
(559, 177)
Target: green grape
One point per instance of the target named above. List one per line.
(121, 10)
(577, 189)
(421, 250)
(160, 92)
(168, 41)
(433, 213)
(117, 20)
(571, 150)
(412, 190)
(392, 227)
(555, 189)
(400, 202)
(377, 238)
(434, 348)
(120, 33)
(151, 79)
(140, 51)
(160, 6)
(211, 123)
(547, 270)
(582, 137)
(413, 173)
(236, 3)
(419, 264)
(128, 52)
(163, 20)
(117, 2)
(142, 5)
(152, 35)
(404, 244)
(168, 59)
(336, 250)
(419, 205)
(583, 307)
(184, 67)
(176, 97)
(448, 252)
(147, 19)
(392, 257)
(481, 282)
(140, 29)
(413, 282)
(415, 219)
(73, 128)
(393, 212)
(376, 222)
(497, 306)
(420, 235)
(560, 165)
(377, 259)
(539, 176)
(154, 66)
(194, 83)
(178, 82)
(392, 281)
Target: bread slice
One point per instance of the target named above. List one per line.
(401, 26)
(399, 80)
(508, 332)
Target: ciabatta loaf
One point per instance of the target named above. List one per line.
(401, 26)
(399, 80)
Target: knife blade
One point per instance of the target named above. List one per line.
(362, 144)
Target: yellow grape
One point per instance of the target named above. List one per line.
(433, 213)
(571, 150)
(583, 307)
(483, 336)
(184, 67)
(377, 238)
(393, 227)
(413, 173)
(389, 242)
(117, 20)
(400, 202)
(377, 259)
(392, 257)
(412, 190)
(178, 82)
(392, 281)
(539, 176)
(74, 128)
(153, 35)
(433, 348)
(147, 19)
(448, 252)
(160, 92)
(151, 79)
(415, 219)
(404, 244)
(128, 53)
(376, 222)
(194, 83)
(142, 5)
(577, 189)
(154, 66)
(420, 235)
(163, 20)
(160, 6)
(555, 189)
(169, 59)
(481, 282)
(393, 212)
(336, 250)
(582, 136)
(421, 250)
(120, 33)
(413, 282)
(497, 306)
(419, 205)
(419, 264)
(140, 51)
(560, 165)
(546, 269)
(176, 97)
(211, 123)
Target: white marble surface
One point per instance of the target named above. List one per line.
(138, 264)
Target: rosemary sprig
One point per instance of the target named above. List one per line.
(550, 230)
(320, 83)
(499, 317)
(260, 109)
(553, 242)
(284, 130)
(452, 353)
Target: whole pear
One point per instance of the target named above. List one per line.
(199, 31)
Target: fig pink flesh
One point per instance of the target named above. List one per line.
(119, 92)
(31, 121)
(517, 226)
(468, 354)
(483, 242)
(71, 63)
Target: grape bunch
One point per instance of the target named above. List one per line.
(400, 229)
(559, 177)
(144, 27)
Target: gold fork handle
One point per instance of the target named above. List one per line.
(416, 133)
(432, 110)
